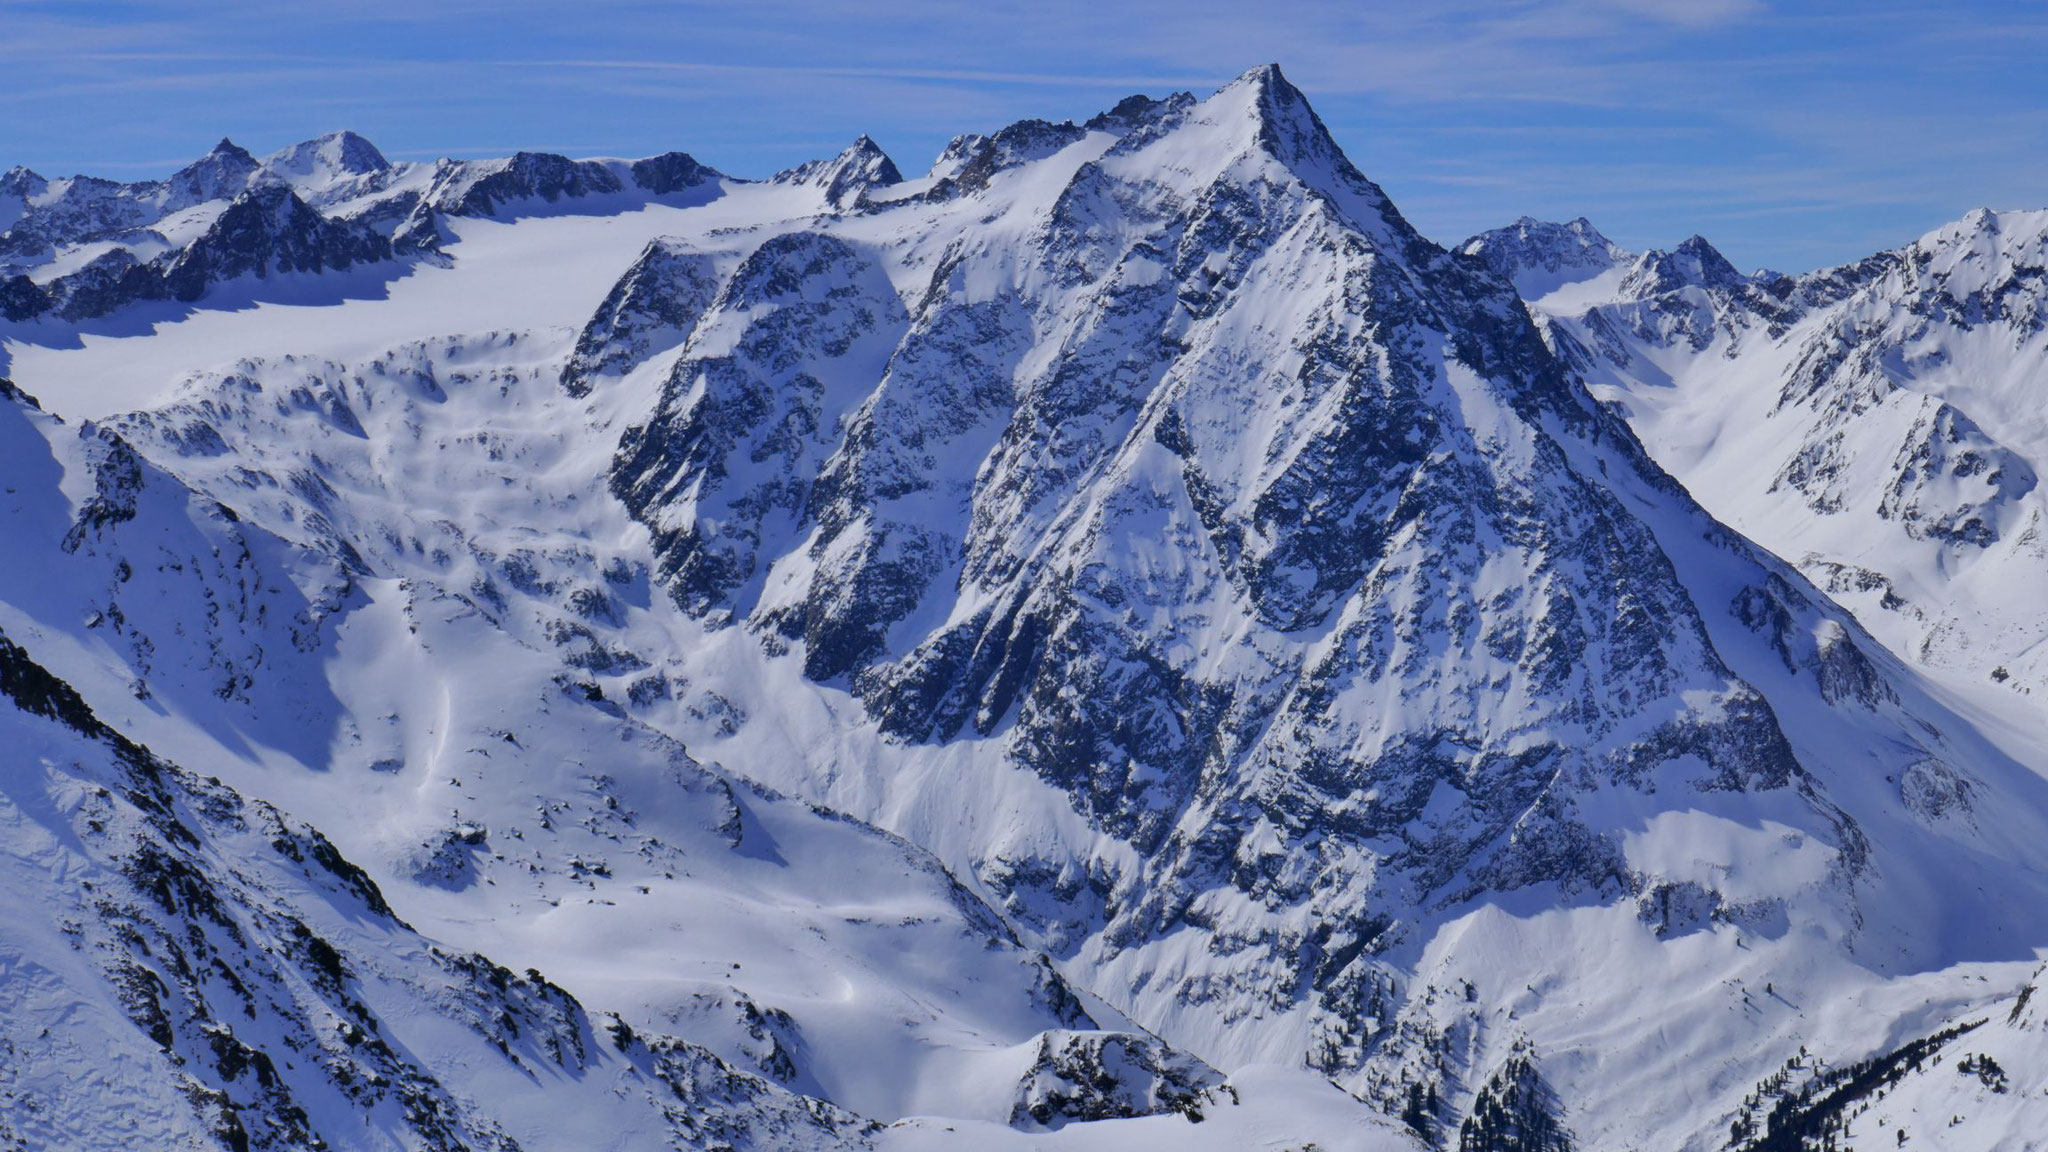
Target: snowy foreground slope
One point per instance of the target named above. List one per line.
(1117, 641)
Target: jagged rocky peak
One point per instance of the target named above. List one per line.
(266, 228)
(1540, 256)
(1261, 119)
(18, 188)
(847, 176)
(333, 156)
(1158, 499)
(1333, 438)
(217, 175)
(270, 228)
(484, 187)
(1287, 125)
(672, 172)
(499, 188)
(1694, 263)
(22, 182)
(1134, 112)
(969, 161)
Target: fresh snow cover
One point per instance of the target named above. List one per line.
(1115, 631)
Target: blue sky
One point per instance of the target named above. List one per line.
(1792, 135)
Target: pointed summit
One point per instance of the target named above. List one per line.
(1259, 130)
(868, 157)
(225, 156)
(22, 182)
(1695, 263)
(1287, 126)
(863, 165)
(1703, 263)
(354, 153)
(218, 175)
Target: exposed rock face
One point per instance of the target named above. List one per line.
(1539, 257)
(796, 324)
(85, 209)
(977, 471)
(652, 309)
(266, 231)
(671, 172)
(1080, 1076)
(471, 188)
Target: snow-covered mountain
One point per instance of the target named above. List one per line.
(1876, 424)
(1118, 640)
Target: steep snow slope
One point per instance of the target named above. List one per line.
(1227, 584)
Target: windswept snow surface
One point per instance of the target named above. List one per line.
(1117, 630)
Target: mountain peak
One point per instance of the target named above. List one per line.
(332, 156)
(1695, 263)
(845, 177)
(1703, 262)
(1287, 126)
(867, 156)
(1528, 231)
(351, 153)
(1247, 128)
(1541, 256)
(23, 182)
(218, 175)
(1990, 224)
(671, 172)
(1264, 76)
